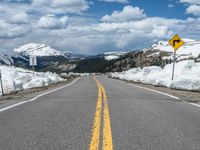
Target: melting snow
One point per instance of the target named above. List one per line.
(187, 75)
(15, 79)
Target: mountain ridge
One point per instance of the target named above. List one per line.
(40, 50)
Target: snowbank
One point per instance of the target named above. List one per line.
(187, 75)
(15, 79)
(72, 74)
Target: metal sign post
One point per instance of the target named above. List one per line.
(33, 62)
(2, 91)
(176, 42)
(33, 70)
(174, 65)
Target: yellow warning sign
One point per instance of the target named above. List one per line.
(176, 42)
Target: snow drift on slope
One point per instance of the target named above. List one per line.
(187, 75)
(113, 55)
(38, 50)
(191, 48)
(15, 79)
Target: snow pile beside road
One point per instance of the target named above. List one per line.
(72, 74)
(187, 75)
(15, 79)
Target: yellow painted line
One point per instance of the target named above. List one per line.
(107, 132)
(94, 144)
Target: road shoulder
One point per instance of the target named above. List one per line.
(17, 97)
(188, 96)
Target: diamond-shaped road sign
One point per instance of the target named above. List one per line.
(176, 42)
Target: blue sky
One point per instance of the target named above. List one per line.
(86, 26)
(154, 8)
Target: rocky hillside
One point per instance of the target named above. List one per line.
(49, 59)
(158, 54)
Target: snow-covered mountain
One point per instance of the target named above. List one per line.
(5, 58)
(39, 50)
(191, 49)
(113, 55)
(9, 57)
(47, 57)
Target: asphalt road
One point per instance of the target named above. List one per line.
(139, 119)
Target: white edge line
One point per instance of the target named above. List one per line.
(169, 95)
(194, 104)
(38, 96)
(151, 90)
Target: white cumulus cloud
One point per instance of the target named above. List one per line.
(127, 14)
(61, 6)
(190, 1)
(8, 30)
(193, 9)
(116, 1)
(21, 18)
(53, 22)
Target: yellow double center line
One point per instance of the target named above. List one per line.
(107, 134)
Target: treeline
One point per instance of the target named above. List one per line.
(94, 65)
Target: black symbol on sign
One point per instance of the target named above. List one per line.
(176, 41)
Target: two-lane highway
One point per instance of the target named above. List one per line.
(101, 112)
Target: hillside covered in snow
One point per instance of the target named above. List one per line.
(191, 49)
(154, 66)
(39, 50)
(48, 59)
(11, 58)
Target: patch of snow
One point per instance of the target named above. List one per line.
(113, 55)
(15, 79)
(154, 54)
(187, 75)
